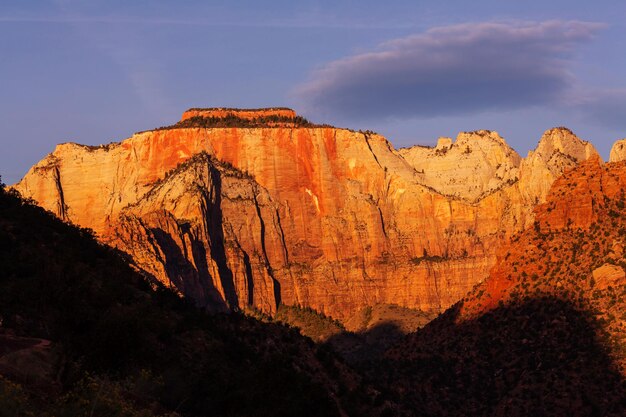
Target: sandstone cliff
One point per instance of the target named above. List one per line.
(475, 165)
(480, 166)
(302, 215)
(558, 150)
(618, 151)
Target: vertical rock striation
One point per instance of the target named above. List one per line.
(254, 216)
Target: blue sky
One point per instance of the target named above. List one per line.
(97, 71)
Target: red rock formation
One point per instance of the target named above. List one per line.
(313, 216)
(576, 243)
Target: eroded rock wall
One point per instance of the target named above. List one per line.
(312, 216)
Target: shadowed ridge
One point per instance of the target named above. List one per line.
(362, 337)
(194, 247)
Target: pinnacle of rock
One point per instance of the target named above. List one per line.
(558, 151)
(618, 151)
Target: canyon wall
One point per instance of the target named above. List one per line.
(250, 217)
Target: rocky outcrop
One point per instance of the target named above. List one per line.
(251, 217)
(618, 151)
(608, 275)
(204, 230)
(558, 150)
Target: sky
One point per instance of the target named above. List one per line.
(97, 71)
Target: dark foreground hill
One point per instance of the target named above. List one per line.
(538, 357)
(82, 333)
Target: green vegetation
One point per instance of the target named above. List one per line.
(374, 329)
(311, 323)
(232, 120)
(426, 257)
(235, 109)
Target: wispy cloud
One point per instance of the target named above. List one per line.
(451, 70)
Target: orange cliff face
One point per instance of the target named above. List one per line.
(312, 216)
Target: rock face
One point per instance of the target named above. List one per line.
(558, 150)
(608, 275)
(618, 151)
(574, 252)
(475, 165)
(578, 235)
(548, 323)
(251, 217)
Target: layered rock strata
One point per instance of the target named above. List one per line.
(313, 216)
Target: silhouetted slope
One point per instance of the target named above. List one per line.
(119, 346)
(540, 357)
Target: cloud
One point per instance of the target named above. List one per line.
(451, 70)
